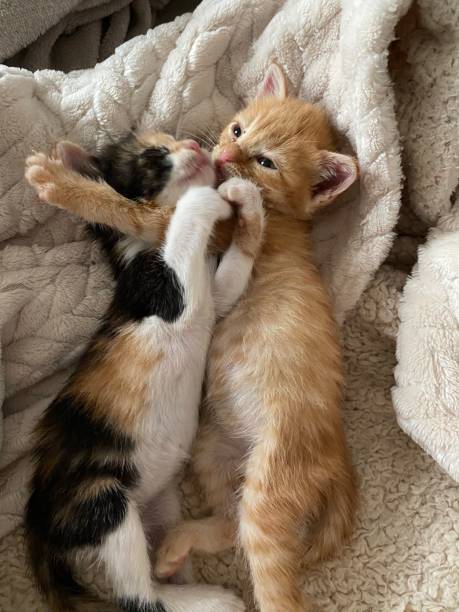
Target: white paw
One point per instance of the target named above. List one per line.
(208, 201)
(244, 194)
(43, 173)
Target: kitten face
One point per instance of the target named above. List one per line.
(146, 166)
(282, 144)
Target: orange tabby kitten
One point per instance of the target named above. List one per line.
(271, 453)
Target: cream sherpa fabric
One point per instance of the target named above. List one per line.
(426, 397)
(188, 76)
(428, 97)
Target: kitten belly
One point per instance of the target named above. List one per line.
(276, 352)
(169, 427)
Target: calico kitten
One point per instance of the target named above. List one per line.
(271, 452)
(108, 448)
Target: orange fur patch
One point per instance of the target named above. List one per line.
(116, 380)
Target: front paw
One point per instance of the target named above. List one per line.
(45, 175)
(244, 195)
(208, 201)
(246, 198)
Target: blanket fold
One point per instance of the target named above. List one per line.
(188, 77)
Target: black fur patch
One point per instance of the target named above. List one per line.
(63, 578)
(108, 238)
(83, 470)
(88, 523)
(78, 429)
(133, 604)
(134, 170)
(147, 286)
(54, 511)
(92, 520)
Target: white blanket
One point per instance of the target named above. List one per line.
(186, 77)
(69, 34)
(426, 396)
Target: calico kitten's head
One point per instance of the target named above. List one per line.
(284, 145)
(146, 166)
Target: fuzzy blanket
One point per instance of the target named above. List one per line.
(70, 34)
(187, 77)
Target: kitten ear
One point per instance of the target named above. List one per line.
(337, 173)
(274, 83)
(75, 158)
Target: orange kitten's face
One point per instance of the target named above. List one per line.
(282, 144)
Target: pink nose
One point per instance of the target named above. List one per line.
(191, 144)
(226, 156)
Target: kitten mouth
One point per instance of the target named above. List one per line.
(194, 169)
(223, 172)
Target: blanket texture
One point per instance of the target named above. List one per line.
(186, 77)
(70, 34)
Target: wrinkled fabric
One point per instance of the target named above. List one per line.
(188, 77)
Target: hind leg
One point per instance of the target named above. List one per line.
(208, 535)
(127, 564)
(216, 462)
(161, 515)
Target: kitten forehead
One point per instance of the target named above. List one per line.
(277, 122)
(156, 139)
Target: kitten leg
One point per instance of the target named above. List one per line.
(191, 598)
(161, 516)
(235, 269)
(94, 201)
(127, 563)
(187, 239)
(216, 462)
(208, 535)
(125, 556)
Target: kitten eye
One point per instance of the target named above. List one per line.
(236, 129)
(266, 163)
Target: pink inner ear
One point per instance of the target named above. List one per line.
(268, 85)
(338, 172)
(274, 83)
(73, 157)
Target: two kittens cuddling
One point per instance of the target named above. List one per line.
(210, 283)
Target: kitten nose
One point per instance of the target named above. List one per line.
(191, 144)
(229, 153)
